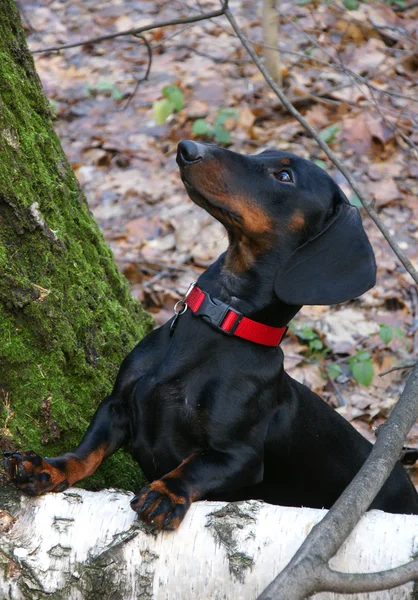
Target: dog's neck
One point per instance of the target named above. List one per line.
(249, 292)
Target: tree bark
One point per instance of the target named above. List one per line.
(82, 545)
(66, 316)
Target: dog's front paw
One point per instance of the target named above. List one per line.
(160, 505)
(33, 474)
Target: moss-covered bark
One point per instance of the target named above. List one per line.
(66, 316)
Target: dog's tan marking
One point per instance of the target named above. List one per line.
(253, 229)
(77, 469)
(297, 222)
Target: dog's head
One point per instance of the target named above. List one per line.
(285, 210)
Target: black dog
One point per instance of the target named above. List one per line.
(204, 401)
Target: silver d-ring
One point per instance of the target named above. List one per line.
(182, 310)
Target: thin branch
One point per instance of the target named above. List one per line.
(136, 30)
(398, 368)
(353, 583)
(331, 155)
(340, 399)
(147, 72)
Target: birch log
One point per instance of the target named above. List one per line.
(82, 545)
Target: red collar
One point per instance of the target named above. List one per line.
(231, 321)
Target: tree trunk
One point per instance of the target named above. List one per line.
(82, 545)
(270, 22)
(66, 316)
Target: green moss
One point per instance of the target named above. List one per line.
(66, 316)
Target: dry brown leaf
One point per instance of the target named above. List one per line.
(356, 133)
(318, 116)
(143, 228)
(380, 170)
(384, 191)
(344, 327)
(310, 376)
(367, 57)
(246, 117)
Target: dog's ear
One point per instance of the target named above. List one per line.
(336, 265)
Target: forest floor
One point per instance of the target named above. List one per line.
(350, 72)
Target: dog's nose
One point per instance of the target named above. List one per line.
(189, 152)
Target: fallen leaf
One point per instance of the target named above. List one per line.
(384, 191)
(367, 57)
(342, 328)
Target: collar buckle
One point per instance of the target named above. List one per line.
(213, 312)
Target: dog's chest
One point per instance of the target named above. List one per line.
(170, 423)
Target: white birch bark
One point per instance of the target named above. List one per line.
(82, 545)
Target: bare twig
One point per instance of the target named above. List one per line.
(414, 327)
(398, 368)
(308, 570)
(331, 155)
(136, 30)
(147, 72)
(340, 399)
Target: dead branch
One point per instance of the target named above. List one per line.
(135, 31)
(398, 368)
(147, 72)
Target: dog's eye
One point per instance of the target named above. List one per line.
(284, 176)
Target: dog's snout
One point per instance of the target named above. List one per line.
(189, 152)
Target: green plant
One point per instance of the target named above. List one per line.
(311, 338)
(321, 163)
(333, 370)
(104, 86)
(386, 333)
(354, 4)
(54, 107)
(355, 200)
(173, 101)
(330, 133)
(217, 131)
(351, 4)
(361, 366)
